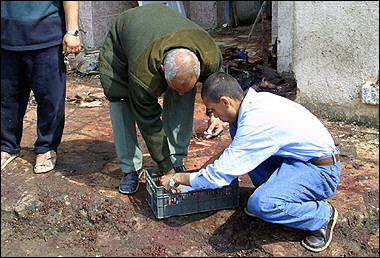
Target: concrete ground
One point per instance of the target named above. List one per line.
(76, 209)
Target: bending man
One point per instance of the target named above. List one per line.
(151, 51)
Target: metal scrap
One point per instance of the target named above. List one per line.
(256, 75)
(86, 100)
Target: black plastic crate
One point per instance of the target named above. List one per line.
(166, 204)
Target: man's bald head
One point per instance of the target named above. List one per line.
(182, 67)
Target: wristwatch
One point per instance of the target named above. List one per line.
(171, 181)
(73, 32)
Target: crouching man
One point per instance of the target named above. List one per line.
(287, 152)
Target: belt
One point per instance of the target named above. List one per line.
(325, 161)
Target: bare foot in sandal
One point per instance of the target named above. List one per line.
(45, 162)
(6, 158)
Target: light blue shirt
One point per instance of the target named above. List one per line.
(267, 125)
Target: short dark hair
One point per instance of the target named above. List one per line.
(221, 84)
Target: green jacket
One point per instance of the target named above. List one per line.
(132, 55)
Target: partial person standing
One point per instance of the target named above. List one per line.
(35, 37)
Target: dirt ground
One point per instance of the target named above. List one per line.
(76, 210)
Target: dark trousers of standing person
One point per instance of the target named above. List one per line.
(42, 71)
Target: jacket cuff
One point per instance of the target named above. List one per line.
(165, 165)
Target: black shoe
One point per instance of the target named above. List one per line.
(320, 239)
(129, 184)
(180, 169)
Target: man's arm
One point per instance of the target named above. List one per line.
(147, 113)
(184, 178)
(71, 43)
(179, 179)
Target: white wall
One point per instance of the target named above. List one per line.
(331, 48)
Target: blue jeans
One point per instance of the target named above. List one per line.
(42, 71)
(292, 192)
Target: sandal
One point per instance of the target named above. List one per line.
(6, 158)
(45, 162)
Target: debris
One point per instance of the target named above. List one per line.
(87, 100)
(254, 74)
(90, 104)
(83, 64)
(90, 67)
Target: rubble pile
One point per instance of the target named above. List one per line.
(87, 99)
(252, 73)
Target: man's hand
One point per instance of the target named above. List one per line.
(181, 178)
(166, 178)
(215, 126)
(71, 44)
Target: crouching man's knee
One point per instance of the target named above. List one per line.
(264, 207)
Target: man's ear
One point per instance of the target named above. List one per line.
(163, 67)
(226, 101)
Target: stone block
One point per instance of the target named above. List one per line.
(370, 91)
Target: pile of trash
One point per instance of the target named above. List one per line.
(252, 73)
(87, 99)
(83, 65)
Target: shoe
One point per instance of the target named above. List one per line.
(129, 184)
(249, 213)
(45, 162)
(6, 158)
(180, 169)
(320, 239)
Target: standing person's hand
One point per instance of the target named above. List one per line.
(71, 41)
(71, 44)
